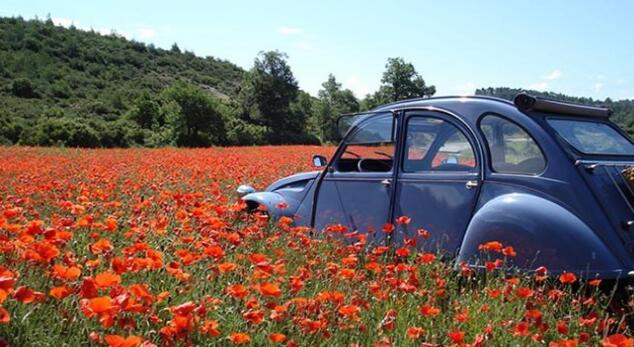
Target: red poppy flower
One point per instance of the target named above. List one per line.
(567, 278)
(427, 310)
(388, 228)
(5, 316)
(277, 338)
(239, 338)
(269, 289)
(403, 220)
(456, 336)
(119, 341)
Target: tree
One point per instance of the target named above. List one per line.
(333, 102)
(145, 112)
(196, 117)
(266, 94)
(401, 81)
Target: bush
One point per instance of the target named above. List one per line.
(23, 88)
(241, 133)
(67, 132)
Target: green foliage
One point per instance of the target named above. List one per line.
(145, 112)
(95, 79)
(401, 81)
(333, 102)
(198, 120)
(64, 131)
(23, 88)
(266, 94)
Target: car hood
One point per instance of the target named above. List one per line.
(292, 180)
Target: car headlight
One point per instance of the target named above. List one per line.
(245, 189)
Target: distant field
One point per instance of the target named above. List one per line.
(150, 247)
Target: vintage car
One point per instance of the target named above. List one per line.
(543, 176)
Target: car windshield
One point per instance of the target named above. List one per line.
(345, 122)
(592, 137)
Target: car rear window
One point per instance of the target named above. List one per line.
(592, 137)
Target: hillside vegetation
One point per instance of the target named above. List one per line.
(69, 87)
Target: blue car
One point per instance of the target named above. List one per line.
(543, 176)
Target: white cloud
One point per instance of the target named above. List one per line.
(147, 33)
(287, 31)
(600, 77)
(598, 86)
(358, 87)
(539, 86)
(556, 74)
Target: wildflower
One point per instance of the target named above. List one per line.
(119, 341)
(456, 336)
(349, 310)
(403, 252)
(237, 291)
(595, 282)
(107, 279)
(509, 251)
(60, 292)
(617, 340)
(494, 246)
(269, 289)
(66, 273)
(388, 228)
(430, 311)
(5, 316)
(277, 338)
(210, 327)
(415, 332)
(426, 258)
(239, 338)
(567, 278)
(403, 220)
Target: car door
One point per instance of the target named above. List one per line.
(438, 180)
(357, 187)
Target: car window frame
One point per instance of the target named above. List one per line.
(488, 147)
(580, 119)
(441, 116)
(341, 149)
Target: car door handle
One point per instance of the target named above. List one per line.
(471, 184)
(386, 182)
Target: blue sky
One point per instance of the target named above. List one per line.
(583, 48)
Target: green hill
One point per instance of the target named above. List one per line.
(47, 70)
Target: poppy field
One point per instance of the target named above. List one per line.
(151, 247)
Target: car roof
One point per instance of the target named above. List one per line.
(468, 108)
(444, 100)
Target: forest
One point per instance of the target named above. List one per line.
(69, 87)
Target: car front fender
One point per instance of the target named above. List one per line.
(542, 233)
(272, 201)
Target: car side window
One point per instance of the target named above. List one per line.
(433, 144)
(512, 149)
(370, 148)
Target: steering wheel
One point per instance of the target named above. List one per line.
(362, 160)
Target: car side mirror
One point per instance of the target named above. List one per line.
(319, 160)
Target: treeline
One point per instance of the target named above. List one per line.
(623, 109)
(70, 87)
